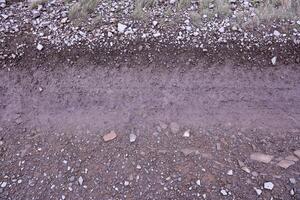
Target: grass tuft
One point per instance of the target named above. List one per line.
(34, 4)
(81, 9)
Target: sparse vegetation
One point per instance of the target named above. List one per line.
(34, 4)
(140, 5)
(81, 9)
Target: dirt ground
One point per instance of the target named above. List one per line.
(197, 127)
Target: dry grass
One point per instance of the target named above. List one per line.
(81, 9)
(34, 4)
(140, 6)
(277, 9)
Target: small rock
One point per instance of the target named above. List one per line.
(63, 197)
(121, 28)
(297, 153)
(246, 169)
(292, 192)
(3, 184)
(174, 127)
(198, 182)
(157, 34)
(222, 30)
(110, 136)
(292, 180)
(186, 133)
(138, 167)
(80, 180)
(276, 33)
(39, 47)
(64, 20)
(273, 60)
(268, 185)
(126, 183)
(132, 137)
(154, 23)
(230, 172)
(285, 163)
(258, 191)
(173, 1)
(224, 192)
(260, 157)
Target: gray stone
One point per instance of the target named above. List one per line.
(121, 27)
(174, 127)
(260, 157)
(132, 137)
(268, 185)
(285, 163)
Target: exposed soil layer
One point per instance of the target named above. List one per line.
(54, 112)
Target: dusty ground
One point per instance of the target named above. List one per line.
(54, 113)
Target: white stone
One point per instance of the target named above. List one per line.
(186, 133)
(154, 23)
(198, 182)
(3, 184)
(132, 137)
(121, 28)
(63, 197)
(138, 167)
(292, 192)
(80, 180)
(39, 47)
(258, 191)
(273, 60)
(172, 1)
(157, 34)
(268, 185)
(230, 173)
(276, 33)
(126, 183)
(224, 192)
(222, 30)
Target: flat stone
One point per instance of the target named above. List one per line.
(260, 157)
(174, 127)
(297, 153)
(276, 33)
(110, 136)
(268, 185)
(39, 47)
(292, 158)
(285, 163)
(230, 172)
(3, 184)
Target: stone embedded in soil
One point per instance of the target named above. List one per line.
(121, 27)
(292, 158)
(80, 180)
(39, 47)
(276, 33)
(198, 182)
(132, 137)
(258, 191)
(285, 163)
(174, 127)
(224, 192)
(292, 180)
(110, 136)
(230, 172)
(297, 153)
(3, 184)
(273, 60)
(187, 133)
(260, 157)
(268, 185)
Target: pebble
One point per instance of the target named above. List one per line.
(260, 157)
(268, 185)
(173, 1)
(121, 28)
(187, 133)
(126, 183)
(64, 20)
(174, 127)
(276, 33)
(292, 192)
(222, 30)
(292, 180)
(224, 192)
(132, 137)
(285, 163)
(80, 180)
(273, 60)
(230, 172)
(198, 182)
(3, 184)
(258, 191)
(39, 47)
(110, 136)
